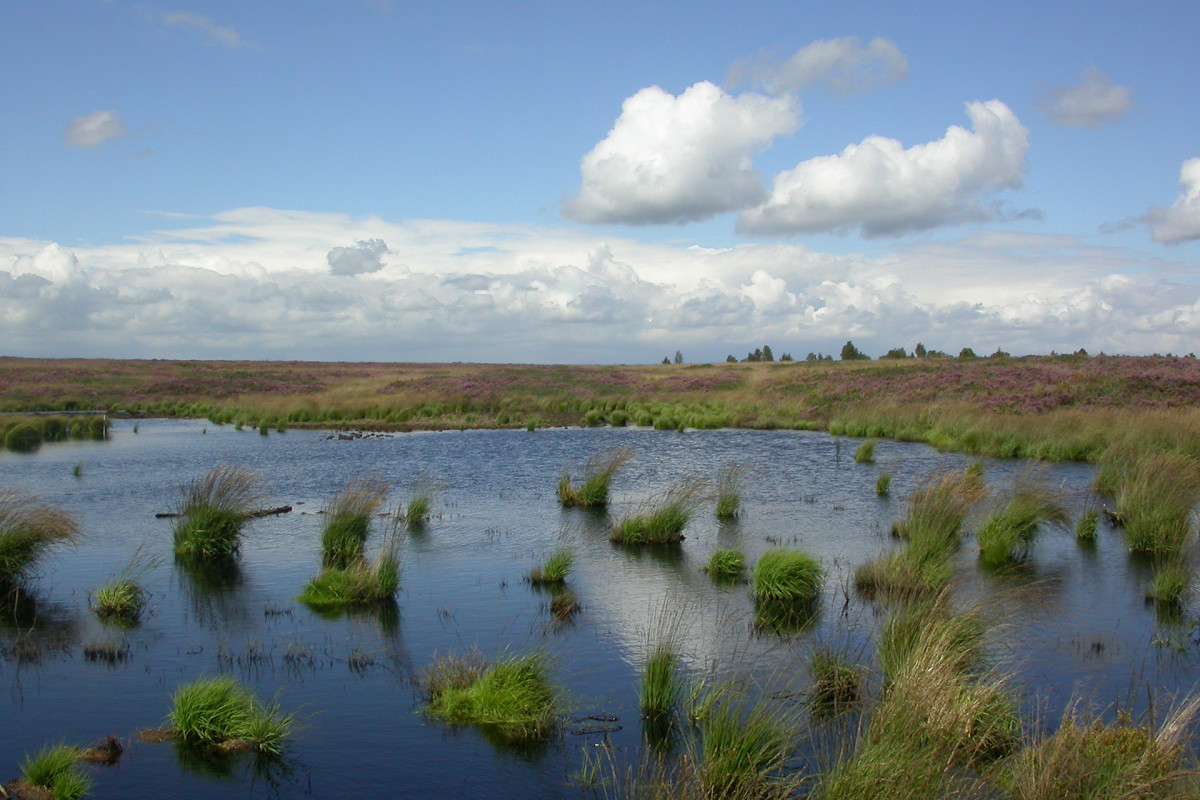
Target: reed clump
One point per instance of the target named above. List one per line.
(554, 570)
(730, 487)
(1157, 496)
(786, 577)
(661, 520)
(28, 529)
(212, 511)
(744, 752)
(221, 712)
(883, 484)
(421, 496)
(865, 452)
(348, 516)
(837, 683)
(1171, 581)
(56, 772)
(1009, 529)
(361, 582)
(512, 697)
(662, 684)
(726, 564)
(1086, 527)
(598, 473)
(123, 599)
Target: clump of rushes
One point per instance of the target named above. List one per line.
(1085, 528)
(1157, 496)
(661, 686)
(512, 697)
(348, 520)
(836, 683)
(360, 583)
(212, 511)
(1083, 761)
(28, 528)
(883, 484)
(56, 772)
(865, 453)
(726, 564)
(1171, 580)
(421, 497)
(743, 753)
(730, 479)
(598, 473)
(1009, 530)
(220, 711)
(786, 577)
(553, 570)
(564, 605)
(661, 520)
(122, 599)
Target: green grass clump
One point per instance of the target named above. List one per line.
(836, 683)
(214, 711)
(730, 479)
(1095, 761)
(1171, 581)
(743, 754)
(1009, 530)
(360, 583)
(865, 453)
(661, 520)
(553, 570)
(212, 511)
(56, 770)
(786, 577)
(662, 685)
(564, 605)
(512, 697)
(598, 473)
(1085, 528)
(28, 529)
(348, 520)
(421, 497)
(119, 600)
(726, 564)
(883, 484)
(23, 438)
(1158, 493)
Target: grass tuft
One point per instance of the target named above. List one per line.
(348, 520)
(726, 564)
(598, 473)
(1157, 496)
(56, 769)
(744, 753)
(865, 453)
(787, 576)
(512, 697)
(212, 511)
(730, 480)
(554, 570)
(661, 520)
(214, 711)
(360, 583)
(883, 484)
(421, 497)
(1171, 581)
(122, 600)
(836, 683)
(28, 529)
(1008, 531)
(1085, 528)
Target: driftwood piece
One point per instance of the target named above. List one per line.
(262, 512)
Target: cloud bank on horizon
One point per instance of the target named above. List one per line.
(710, 219)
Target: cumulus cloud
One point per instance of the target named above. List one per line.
(93, 129)
(361, 258)
(679, 159)
(1181, 222)
(1090, 103)
(223, 35)
(886, 190)
(842, 65)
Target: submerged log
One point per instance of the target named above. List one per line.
(262, 512)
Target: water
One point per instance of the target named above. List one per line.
(1073, 621)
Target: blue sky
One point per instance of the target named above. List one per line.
(596, 183)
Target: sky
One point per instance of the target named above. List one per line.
(597, 183)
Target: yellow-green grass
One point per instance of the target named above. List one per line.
(662, 684)
(1172, 578)
(212, 511)
(215, 711)
(865, 452)
(883, 484)
(1157, 496)
(24, 434)
(419, 506)
(1086, 526)
(729, 488)
(56, 770)
(1015, 518)
(593, 490)
(744, 752)
(120, 600)
(661, 520)
(359, 583)
(347, 520)
(512, 697)
(554, 570)
(726, 564)
(785, 577)
(29, 528)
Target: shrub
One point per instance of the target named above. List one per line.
(212, 511)
(214, 711)
(28, 529)
(554, 570)
(512, 697)
(57, 771)
(597, 477)
(348, 520)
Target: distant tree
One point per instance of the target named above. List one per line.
(731, 359)
(678, 357)
(767, 355)
(811, 357)
(999, 354)
(1081, 353)
(786, 357)
(852, 353)
(667, 360)
(966, 353)
(755, 357)
(895, 352)
(919, 350)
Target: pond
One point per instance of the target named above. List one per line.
(1073, 622)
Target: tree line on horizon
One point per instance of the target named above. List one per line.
(850, 352)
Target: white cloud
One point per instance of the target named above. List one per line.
(1181, 222)
(842, 65)
(256, 283)
(886, 190)
(678, 159)
(1090, 103)
(93, 129)
(361, 258)
(223, 35)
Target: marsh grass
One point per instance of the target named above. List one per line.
(218, 711)
(786, 577)
(865, 452)
(730, 487)
(122, 600)
(564, 605)
(1172, 577)
(554, 570)
(212, 511)
(662, 685)
(348, 516)
(56, 769)
(512, 697)
(883, 484)
(744, 752)
(726, 564)
(661, 520)
(422, 495)
(1157, 499)
(837, 683)
(360, 583)
(1086, 527)
(1008, 531)
(28, 529)
(598, 472)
